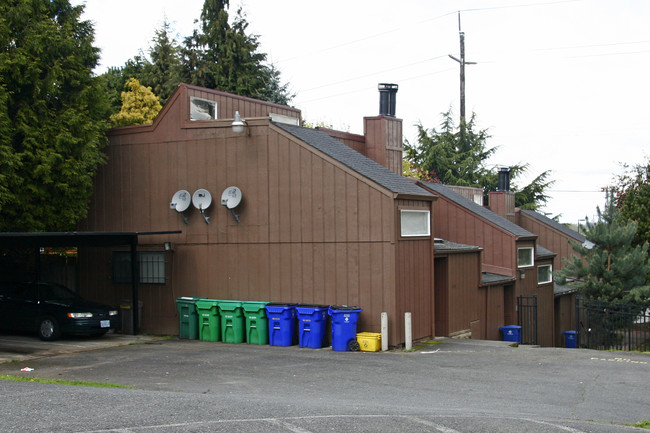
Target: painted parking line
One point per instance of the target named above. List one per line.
(621, 360)
(440, 428)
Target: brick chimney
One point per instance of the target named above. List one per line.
(383, 134)
(502, 201)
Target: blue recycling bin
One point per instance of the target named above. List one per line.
(511, 333)
(344, 326)
(282, 324)
(570, 339)
(312, 322)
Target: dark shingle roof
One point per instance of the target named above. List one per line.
(481, 211)
(354, 160)
(556, 225)
(543, 252)
(488, 278)
(443, 245)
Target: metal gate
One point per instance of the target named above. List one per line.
(527, 318)
(612, 326)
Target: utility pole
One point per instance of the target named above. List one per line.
(462, 63)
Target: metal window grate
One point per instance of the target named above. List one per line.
(151, 265)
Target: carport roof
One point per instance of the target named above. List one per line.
(69, 239)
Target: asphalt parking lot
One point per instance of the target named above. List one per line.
(452, 386)
(17, 347)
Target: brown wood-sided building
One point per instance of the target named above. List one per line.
(319, 222)
(509, 261)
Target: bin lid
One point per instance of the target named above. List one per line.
(281, 304)
(345, 307)
(206, 303)
(312, 306)
(229, 304)
(250, 306)
(188, 299)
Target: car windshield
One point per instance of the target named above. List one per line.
(54, 292)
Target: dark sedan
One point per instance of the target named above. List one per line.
(52, 310)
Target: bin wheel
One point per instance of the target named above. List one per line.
(353, 346)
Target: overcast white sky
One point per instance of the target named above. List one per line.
(561, 85)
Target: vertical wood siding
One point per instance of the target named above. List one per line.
(454, 223)
(549, 238)
(310, 230)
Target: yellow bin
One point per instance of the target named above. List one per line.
(369, 341)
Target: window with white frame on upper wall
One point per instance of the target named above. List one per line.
(151, 265)
(415, 223)
(202, 109)
(544, 274)
(525, 257)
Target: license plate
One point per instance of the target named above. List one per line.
(105, 323)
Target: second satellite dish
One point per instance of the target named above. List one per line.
(180, 202)
(202, 200)
(231, 198)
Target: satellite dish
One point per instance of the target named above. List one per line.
(180, 202)
(201, 199)
(231, 198)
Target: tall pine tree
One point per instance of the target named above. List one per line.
(458, 154)
(613, 268)
(53, 115)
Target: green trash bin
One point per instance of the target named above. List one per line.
(209, 320)
(188, 320)
(232, 321)
(257, 324)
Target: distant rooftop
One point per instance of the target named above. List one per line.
(479, 210)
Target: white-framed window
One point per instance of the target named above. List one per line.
(202, 109)
(525, 257)
(544, 274)
(150, 263)
(415, 222)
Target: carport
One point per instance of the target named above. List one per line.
(38, 240)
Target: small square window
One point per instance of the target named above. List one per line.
(415, 223)
(202, 109)
(544, 274)
(525, 257)
(150, 263)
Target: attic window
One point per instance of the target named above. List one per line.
(525, 257)
(202, 109)
(415, 223)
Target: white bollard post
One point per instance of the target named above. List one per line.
(408, 335)
(384, 332)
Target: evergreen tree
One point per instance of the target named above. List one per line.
(139, 105)
(632, 195)
(163, 71)
(223, 56)
(53, 115)
(457, 155)
(613, 269)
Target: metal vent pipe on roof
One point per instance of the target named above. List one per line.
(387, 94)
(503, 183)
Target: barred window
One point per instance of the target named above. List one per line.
(150, 263)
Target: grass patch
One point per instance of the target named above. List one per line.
(643, 424)
(63, 382)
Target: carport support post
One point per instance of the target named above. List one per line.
(408, 335)
(135, 276)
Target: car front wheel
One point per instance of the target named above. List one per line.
(48, 329)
